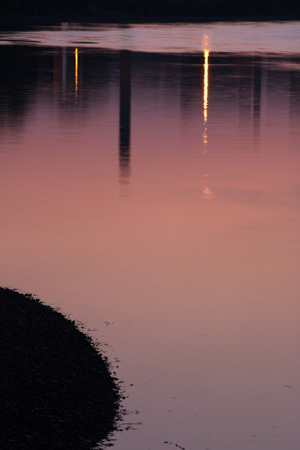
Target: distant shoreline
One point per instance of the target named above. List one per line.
(9, 20)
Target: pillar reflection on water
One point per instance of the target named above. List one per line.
(205, 85)
(256, 94)
(124, 117)
(59, 74)
(205, 99)
(294, 98)
(207, 193)
(76, 74)
(252, 82)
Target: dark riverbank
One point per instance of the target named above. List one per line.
(56, 390)
(49, 12)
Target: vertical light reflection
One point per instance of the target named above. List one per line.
(207, 193)
(205, 98)
(205, 85)
(76, 74)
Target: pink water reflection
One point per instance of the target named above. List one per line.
(182, 252)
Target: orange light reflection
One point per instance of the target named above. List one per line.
(76, 74)
(205, 85)
(205, 99)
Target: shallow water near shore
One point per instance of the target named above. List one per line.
(150, 188)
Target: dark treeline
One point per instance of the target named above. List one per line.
(158, 9)
(41, 6)
(203, 8)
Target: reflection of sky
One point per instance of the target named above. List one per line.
(202, 296)
(227, 37)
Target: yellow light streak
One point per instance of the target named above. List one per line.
(76, 73)
(205, 85)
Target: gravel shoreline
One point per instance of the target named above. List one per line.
(56, 389)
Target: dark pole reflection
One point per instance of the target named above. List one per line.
(257, 76)
(124, 118)
(59, 74)
(294, 106)
(294, 97)
(244, 89)
(250, 75)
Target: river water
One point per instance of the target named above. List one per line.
(150, 189)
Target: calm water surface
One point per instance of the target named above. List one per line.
(154, 195)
